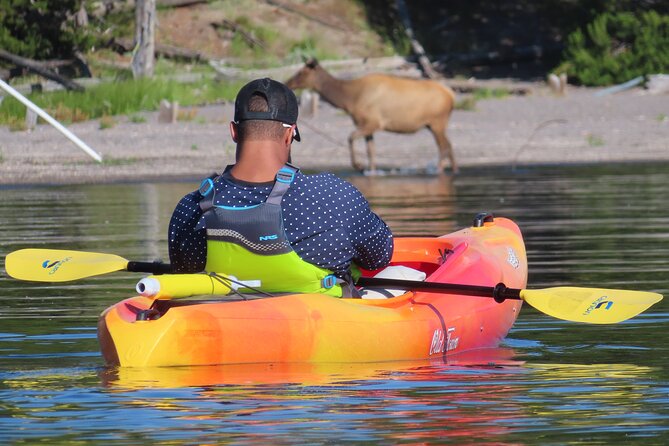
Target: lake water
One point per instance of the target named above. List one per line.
(552, 382)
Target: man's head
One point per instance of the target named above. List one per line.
(264, 109)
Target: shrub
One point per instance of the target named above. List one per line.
(617, 47)
(41, 29)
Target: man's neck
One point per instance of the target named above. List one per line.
(258, 162)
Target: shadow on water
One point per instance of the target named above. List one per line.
(553, 382)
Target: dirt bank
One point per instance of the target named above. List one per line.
(534, 129)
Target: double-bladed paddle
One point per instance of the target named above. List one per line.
(589, 305)
(58, 265)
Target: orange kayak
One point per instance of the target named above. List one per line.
(314, 328)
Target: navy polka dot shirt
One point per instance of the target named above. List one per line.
(327, 220)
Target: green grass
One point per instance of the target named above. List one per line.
(119, 98)
(119, 161)
(468, 103)
(137, 119)
(594, 140)
(490, 93)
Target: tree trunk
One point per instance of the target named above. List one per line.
(423, 61)
(144, 52)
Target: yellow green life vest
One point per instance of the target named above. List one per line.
(250, 243)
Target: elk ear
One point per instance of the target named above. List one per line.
(311, 62)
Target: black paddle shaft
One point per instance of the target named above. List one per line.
(499, 292)
(149, 267)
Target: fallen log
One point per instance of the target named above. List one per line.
(180, 53)
(122, 45)
(179, 3)
(109, 5)
(38, 68)
(346, 68)
(236, 28)
(294, 10)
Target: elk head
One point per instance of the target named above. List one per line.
(305, 77)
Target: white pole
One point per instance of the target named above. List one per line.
(44, 115)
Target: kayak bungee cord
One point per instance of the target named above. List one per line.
(227, 280)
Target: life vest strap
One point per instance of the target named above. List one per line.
(284, 178)
(206, 191)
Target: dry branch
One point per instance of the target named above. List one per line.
(417, 48)
(122, 45)
(294, 10)
(348, 68)
(179, 3)
(39, 68)
(235, 27)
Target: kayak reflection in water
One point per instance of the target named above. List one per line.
(263, 220)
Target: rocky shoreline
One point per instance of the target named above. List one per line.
(539, 128)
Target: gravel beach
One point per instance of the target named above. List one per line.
(539, 128)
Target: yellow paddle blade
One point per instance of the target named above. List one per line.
(58, 265)
(590, 305)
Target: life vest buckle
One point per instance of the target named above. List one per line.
(329, 281)
(285, 175)
(206, 187)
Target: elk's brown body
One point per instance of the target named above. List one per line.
(384, 102)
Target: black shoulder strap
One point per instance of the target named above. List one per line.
(207, 192)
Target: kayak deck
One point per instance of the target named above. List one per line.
(141, 332)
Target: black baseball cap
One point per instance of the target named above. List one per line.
(281, 100)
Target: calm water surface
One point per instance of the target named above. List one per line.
(552, 382)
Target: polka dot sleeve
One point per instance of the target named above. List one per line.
(187, 246)
(370, 237)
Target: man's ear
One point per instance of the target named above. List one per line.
(288, 135)
(233, 131)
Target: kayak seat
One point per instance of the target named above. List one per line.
(392, 272)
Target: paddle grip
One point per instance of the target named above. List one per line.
(149, 267)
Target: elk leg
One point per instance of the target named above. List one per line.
(354, 162)
(370, 152)
(445, 149)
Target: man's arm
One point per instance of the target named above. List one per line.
(187, 246)
(370, 237)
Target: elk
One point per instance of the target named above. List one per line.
(384, 102)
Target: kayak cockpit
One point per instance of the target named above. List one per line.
(245, 328)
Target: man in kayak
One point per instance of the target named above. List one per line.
(262, 219)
